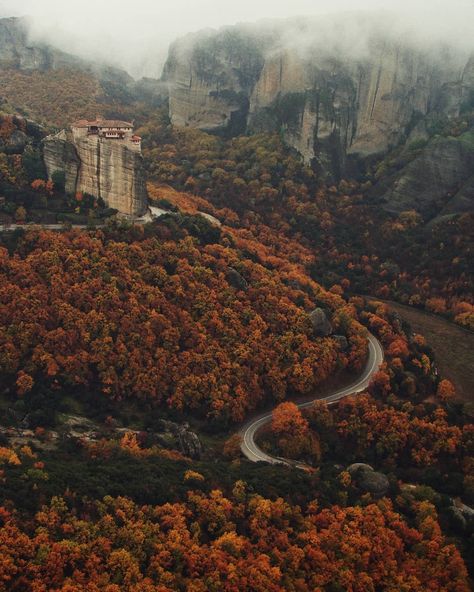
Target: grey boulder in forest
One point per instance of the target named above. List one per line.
(320, 322)
(368, 480)
(235, 279)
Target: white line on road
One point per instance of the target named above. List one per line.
(255, 454)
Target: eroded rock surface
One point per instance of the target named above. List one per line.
(106, 169)
(335, 109)
(366, 479)
(439, 181)
(321, 324)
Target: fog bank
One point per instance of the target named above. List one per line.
(136, 35)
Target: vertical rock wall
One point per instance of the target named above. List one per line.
(329, 106)
(108, 169)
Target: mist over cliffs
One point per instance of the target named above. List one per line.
(19, 51)
(337, 90)
(345, 91)
(30, 66)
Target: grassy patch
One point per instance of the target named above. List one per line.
(452, 345)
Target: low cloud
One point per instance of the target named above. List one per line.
(136, 35)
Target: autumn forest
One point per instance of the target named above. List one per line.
(134, 354)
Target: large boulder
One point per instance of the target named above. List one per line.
(15, 144)
(321, 325)
(356, 468)
(189, 442)
(172, 433)
(368, 480)
(235, 279)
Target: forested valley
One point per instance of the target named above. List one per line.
(132, 353)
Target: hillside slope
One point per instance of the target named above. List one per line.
(55, 87)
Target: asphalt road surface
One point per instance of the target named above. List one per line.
(249, 431)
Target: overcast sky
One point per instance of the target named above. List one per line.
(136, 33)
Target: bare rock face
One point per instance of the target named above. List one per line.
(103, 168)
(60, 155)
(21, 50)
(439, 181)
(321, 325)
(334, 109)
(368, 480)
(211, 78)
(17, 51)
(189, 442)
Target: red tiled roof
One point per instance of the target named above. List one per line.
(81, 123)
(112, 123)
(102, 123)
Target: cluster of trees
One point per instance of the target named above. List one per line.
(234, 543)
(186, 316)
(57, 97)
(26, 195)
(407, 422)
(255, 180)
(160, 318)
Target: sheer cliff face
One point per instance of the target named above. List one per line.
(103, 168)
(211, 78)
(19, 52)
(330, 108)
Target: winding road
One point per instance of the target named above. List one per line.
(250, 448)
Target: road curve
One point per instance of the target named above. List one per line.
(248, 432)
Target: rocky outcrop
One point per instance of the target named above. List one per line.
(106, 169)
(235, 279)
(440, 181)
(211, 78)
(368, 480)
(60, 155)
(320, 322)
(189, 442)
(18, 50)
(334, 107)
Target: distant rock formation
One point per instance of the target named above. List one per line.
(20, 51)
(439, 181)
(106, 169)
(333, 107)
